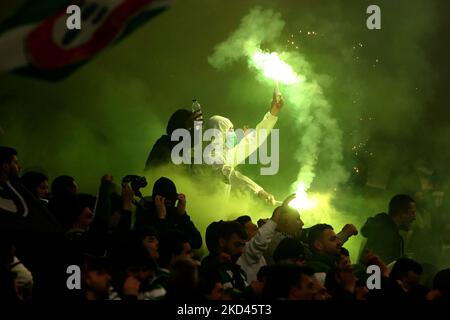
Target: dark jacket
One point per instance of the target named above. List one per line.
(231, 275)
(322, 263)
(383, 237)
(160, 153)
(162, 149)
(37, 236)
(147, 217)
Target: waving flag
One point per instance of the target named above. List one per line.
(35, 41)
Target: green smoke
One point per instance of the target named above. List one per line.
(305, 99)
(108, 114)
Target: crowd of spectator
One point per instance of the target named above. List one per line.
(148, 248)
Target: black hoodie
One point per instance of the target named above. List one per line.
(147, 216)
(162, 149)
(383, 237)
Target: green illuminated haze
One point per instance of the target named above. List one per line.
(106, 116)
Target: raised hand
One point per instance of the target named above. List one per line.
(160, 206)
(127, 197)
(350, 230)
(181, 206)
(277, 103)
(276, 215)
(267, 197)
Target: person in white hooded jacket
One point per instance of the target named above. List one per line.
(226, 161)
(252, 259)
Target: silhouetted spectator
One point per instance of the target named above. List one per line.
(63, 185)
(404, 281)
(441, 283)
(325, 247)
(172, 246)
(164, 213)
(226, 243)
(290, 251)
(36, 234)
(252, 258)
(289, 226)
(382, 231)
(37, 184)
(210, 285)
(97, 279)
(79, 215)
(289, 282)
(63, 190)
(340, 281)
(139, 272)
(162, 149)
(183, 281)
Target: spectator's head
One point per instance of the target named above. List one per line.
(165, 187)
(402, 209)
(322, 240)
(212, 236)
(139, 264)
(173, 245)
(249, 226)
(80, 211)
(290, 222)
(441, 282)
(231, 239)
(210, 285)
(223, 125)
(183, 280)
(147, 237)
(344, 261)
(290, 282)
(36, 183)
(96, 278)
(64, 186)
(407, 271)
(289, 251)
(257, 285)
(321, 290)
(9, 164)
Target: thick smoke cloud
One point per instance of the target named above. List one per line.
(108, 114)
(320, 133)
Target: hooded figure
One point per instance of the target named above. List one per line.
(225, 152)
(161, 150)
(383, 237)
(148, 217)
(383, 230)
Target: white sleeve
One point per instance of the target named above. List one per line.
(255, 248)
(251, 141)
(239, 153)
(24, 278)
(239, 180)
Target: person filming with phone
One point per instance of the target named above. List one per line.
(167, 211)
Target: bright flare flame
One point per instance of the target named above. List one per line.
(302, 201)
(274, 68)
